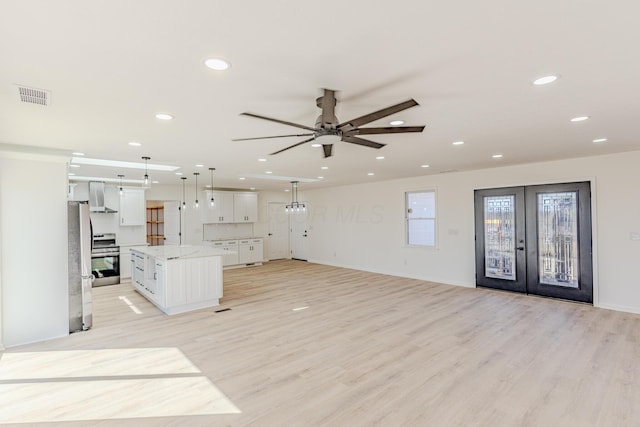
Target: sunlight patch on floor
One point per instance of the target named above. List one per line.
(85, 385)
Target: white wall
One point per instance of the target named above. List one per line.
(362, 226)
(33, 249)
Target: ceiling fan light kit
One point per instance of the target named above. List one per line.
(328, 130)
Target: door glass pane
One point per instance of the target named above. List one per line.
(558, 239)
(499, 237)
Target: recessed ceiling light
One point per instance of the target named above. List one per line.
(370, 174)
(163, 116)
(324, 167)
(268, 172)
(252, 188)
(580, 119)
(497, 156)
(135, 144)
(316, 145)
(262, 160)
(545, 80)
(77, 153)
(199, 166)
(77, 166)
(217, 64)
(458, 143)
(424, 166)
(600, 140)
(380, 158)
(286, 190)
(178, 173)
(71, 174)
(155, 182)
(242, 178)
(396, 122)
(321, 177)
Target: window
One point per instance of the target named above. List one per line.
(420, 214)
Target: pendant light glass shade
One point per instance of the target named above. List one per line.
(121, 176)
(212, 201)
(146, 171)
(196, 204)
(184, 202)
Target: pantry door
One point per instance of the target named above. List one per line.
(536, 239)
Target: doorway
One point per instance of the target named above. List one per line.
(299, 233)
(278, 234)
(535, 239)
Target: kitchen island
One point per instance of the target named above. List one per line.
(177, 279)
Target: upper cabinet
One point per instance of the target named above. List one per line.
(245, 207)
(132, 207)
(222, 209)
(230, 207)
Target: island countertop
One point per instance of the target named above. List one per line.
(179, 251)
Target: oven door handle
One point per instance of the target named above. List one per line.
(105, 254)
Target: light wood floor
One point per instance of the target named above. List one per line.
(368, 350)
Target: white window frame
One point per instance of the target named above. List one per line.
(434, 219)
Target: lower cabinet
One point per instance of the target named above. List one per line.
(250, 251)
(178, 285)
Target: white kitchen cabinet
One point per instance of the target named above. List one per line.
(222, 210)
(245, 207)
(132, 207)
(231, 249)
(250, 251)
(178, 279)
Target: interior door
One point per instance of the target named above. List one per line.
(536, 239)
(172, 223)
(299, 234)
(278, 234)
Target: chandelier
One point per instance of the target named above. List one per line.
(295, 206)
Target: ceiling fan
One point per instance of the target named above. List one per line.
(327, 125)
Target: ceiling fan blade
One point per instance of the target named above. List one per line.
(389, 129)
(361, 141)
(278, 121)
(329, 109)
(328, 150)
(292, 146)
(269, 137)
(368, 118)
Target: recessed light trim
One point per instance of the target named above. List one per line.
(268, 172)
(242, 178)
(217, 64)
(199, 166)
(396, 122)
(599, 140)
(380, 158)
(164, 116)
(316, 145)
(424, 166)
(321, 177)
(77, 153)
(178, 173)
(74, 166)
(580, 119)
(545, 80)
(324, 167)
(371, 174)
(135, 144)
(457, 143)
(497, 156)
(262, 160)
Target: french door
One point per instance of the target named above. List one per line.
(535, 239)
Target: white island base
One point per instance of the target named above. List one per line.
(177, 279)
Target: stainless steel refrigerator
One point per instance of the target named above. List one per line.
(80, 277)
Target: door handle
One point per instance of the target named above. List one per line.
(520, 248)
(270, 234)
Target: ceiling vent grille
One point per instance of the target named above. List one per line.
(34, 96)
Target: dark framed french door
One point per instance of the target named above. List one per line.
(535, 239)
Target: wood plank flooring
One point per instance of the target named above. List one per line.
(368, 350)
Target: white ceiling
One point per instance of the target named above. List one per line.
(111, 65)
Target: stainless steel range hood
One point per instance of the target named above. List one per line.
(96, 198)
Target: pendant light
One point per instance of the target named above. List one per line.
(196, 204)
(295, 205)
(121, 176)
(211, 202)
(146, 171)
(184, 203)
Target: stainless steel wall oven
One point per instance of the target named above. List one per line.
(105, 260)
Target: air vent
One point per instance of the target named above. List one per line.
(34, 96)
